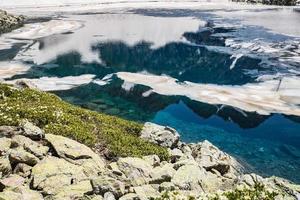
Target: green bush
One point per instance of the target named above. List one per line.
(55, 116)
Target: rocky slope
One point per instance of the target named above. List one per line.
(9, 22)
(36, 166)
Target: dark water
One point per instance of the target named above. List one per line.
(268, 144)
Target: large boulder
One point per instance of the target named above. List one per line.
(146, 192)
(12, 181)
(75, 152)
(162, 135)
(211, 158)
(52, 174)
(162, 174)
(135, 169)
(9, 131)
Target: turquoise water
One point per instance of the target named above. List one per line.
(267, 144)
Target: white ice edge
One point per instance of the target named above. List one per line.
(9, 69)
(58, 83)
(253, 97)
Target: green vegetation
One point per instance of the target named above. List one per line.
(55, 116)
(257, 192)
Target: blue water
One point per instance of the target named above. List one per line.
(266, 144)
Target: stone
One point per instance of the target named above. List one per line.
(5, 167)
(103, 184)
(23, 170)
(210, 157)
(9, 22)
(75, 152)
(135, 169)
(109, 196)
(23, 83)
(162, 174)
(12, 181)
(29, 145)
(19, 155)
(75, 191)
(164, 136)
(175, 154)
(9, 131)
(130, 196)
(167, 186)
(146, 192)
(5, 144)
(20, 193)
(51, 174)
(32, 131)
(153, 160)
(115, 169)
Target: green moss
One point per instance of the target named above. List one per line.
(58, 117)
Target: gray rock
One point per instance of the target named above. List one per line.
(153, 160)
(20, 193)
(32, 147)
(103, 184)
(12, 181)
(164, 136)
(9, 131)
(130, 196)
(135, 169)
(9, 22)
(162, 174)
(52, 174)
(109, 196)
(5, 144)
(32, 131)
(75, 191)
(5, 167)
(76, 153)
(22, 169)
(19, 155)
(210, 157)
(146, 192)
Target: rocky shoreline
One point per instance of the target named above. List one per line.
(35, 165)
(9, 22)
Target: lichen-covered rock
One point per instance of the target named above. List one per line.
(5, 167)
(29, 145)
(162, 135)
(9, 131)
(20, 193)
(5, 144)
(109, 196)
(153, 160)
(9, 22)
(22, 169)
(74, 152)
(75, 191)
(19, 155)
(135, 169)
(162, 174)
(12, 181)
(146, 192)
(210, 157)
(103, 184)
(130, 196)
(32, 131)
(51, 174)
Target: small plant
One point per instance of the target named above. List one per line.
(258, 192)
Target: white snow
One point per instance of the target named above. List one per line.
(262, 98)
(59, 83)
(9, 69)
